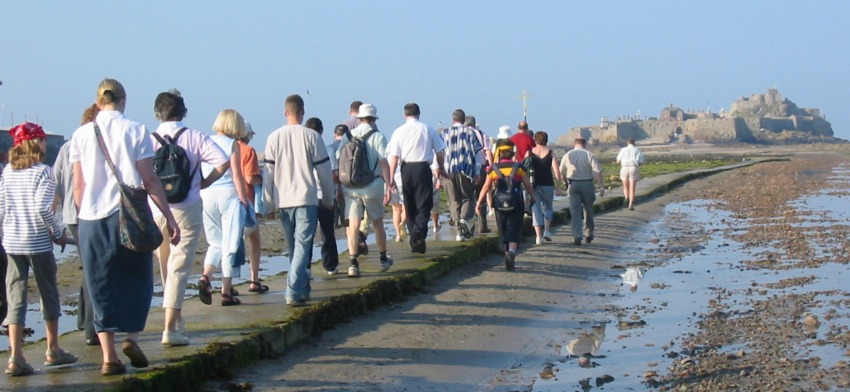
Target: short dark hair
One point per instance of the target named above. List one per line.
(411, 109)
(294, 104)
(459, 116)
(169, 107)
(541, 138)
(630, 141)
(314, 124)
(341, 129)
(580, 141)
(355, 106)
(470, 121)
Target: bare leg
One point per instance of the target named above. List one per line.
(397, 220)
(352, 234)
(632, 185)
(254, 255)
(380, 234)
(107, 346)
(16, 342)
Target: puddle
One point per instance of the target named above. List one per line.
(670, 298)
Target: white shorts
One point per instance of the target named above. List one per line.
(629, 173)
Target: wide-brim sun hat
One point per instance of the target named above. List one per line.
(367, 110)
(504, 132)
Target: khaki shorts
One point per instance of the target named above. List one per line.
(629, 173)
(369, 199)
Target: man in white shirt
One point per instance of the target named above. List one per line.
(371, 198)
(413, 147)
(629, 159)
(292, 152)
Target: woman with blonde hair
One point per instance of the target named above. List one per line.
(120, 280)
(224, 211)
(29, 230)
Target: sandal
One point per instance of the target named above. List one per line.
(112, 368)
(58, 358)
(205, 290)
(229, 300)
(132, 350)
(260, 288)
(18, 368)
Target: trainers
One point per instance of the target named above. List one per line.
(491, 213)
(463, 228)
(174, 339)
(333, 271)
(386, 264)
(353, 271)
(538, 241)
(460, 238)
(509, 260)
(547, 236)
(417, 245)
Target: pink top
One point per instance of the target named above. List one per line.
(200, 148)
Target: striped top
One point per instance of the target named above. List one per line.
(25, 210)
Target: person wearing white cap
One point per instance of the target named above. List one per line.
(371, 198)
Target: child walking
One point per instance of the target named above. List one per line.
(29, 230)
(509, 180)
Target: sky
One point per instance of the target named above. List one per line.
(579, 60)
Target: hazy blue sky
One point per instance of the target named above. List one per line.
(580, 60)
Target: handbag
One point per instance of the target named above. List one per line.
(138, 231)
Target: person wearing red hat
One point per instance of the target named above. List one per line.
(29, 230)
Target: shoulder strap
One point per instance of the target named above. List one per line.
(514, 168)
(158, 138)
(366, 136)
(177, 135)
(106, 156)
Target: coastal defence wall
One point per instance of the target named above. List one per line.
(698, 129)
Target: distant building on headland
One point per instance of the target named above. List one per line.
(54, 143)
(765, 117)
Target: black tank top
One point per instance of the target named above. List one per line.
(542, 169)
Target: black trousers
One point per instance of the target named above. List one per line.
(330, 254)
(418, 190)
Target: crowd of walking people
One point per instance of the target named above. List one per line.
(215, 183)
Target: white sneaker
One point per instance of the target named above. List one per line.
(463, 228)
(491, 213)
(547, 236)
(334, 271)
(174, 339)
(539, 241)
(386, 264)
(353, 271)
(460, 238)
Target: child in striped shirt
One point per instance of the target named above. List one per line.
(29, 230)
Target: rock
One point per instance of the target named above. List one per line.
(811, 321)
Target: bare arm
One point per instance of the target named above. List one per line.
(485, 189)
(79, 185)
(215, 175)
(555, 168)
(385, 175)
(393, 166)
(236, 168)
(157, 194)
(255, 180)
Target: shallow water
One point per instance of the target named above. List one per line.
(684, 287)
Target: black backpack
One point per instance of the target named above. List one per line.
(171, 164)
(354, 168)
(508, 196)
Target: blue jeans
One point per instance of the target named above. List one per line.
(299, 226)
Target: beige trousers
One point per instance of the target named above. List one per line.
(175, 261)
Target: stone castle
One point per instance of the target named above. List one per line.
(760, 118)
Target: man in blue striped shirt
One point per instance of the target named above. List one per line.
(461, 147)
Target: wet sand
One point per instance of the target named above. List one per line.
(483, 329)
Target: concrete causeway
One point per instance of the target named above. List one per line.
(225, 338)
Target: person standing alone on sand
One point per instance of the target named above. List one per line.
(629, 159)
(293, 151)
(580, 167)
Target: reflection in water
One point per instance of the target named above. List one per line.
(587, 343)
(632, 277)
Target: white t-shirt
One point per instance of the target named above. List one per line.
(127, 142)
